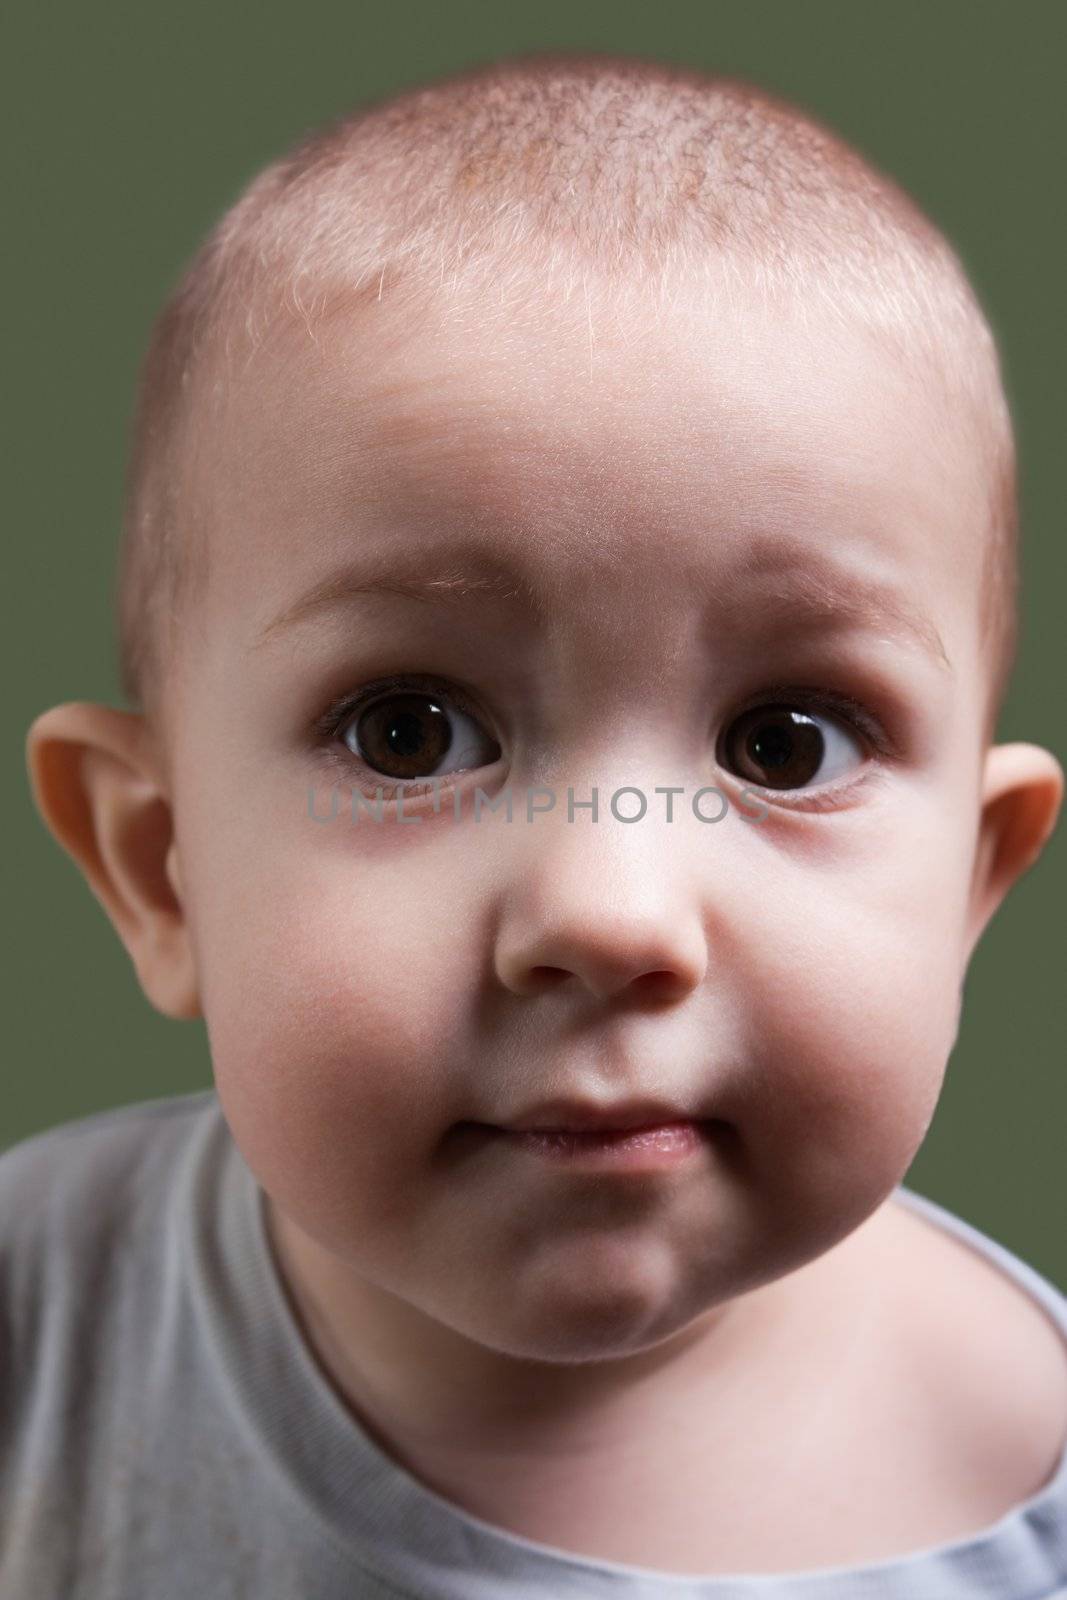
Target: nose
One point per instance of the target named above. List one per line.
(610, 904)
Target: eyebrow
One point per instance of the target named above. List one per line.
(809, 591)
(483, 580)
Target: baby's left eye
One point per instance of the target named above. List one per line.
(785, 747)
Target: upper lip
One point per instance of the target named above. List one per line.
(584, 1116)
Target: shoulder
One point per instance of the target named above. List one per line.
(93, 1148)
(991, 1357)
(65, 1192)
(85, 1235)
(92, 1261)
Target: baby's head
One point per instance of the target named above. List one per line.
(572, 425)
(536, 194)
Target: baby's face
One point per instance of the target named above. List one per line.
(698, 505)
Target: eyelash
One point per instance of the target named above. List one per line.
(341, 711)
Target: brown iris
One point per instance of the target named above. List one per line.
(404, 735)
(776, 746)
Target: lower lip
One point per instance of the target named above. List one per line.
(635, 1149)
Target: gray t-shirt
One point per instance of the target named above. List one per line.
(166, 1434)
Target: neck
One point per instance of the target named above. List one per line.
(433, 1396)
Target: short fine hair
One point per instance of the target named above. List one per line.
(531, 177)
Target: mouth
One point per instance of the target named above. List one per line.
(580, 1117)
(641, 1148)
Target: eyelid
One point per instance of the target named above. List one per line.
(835, 796)
(342, 709)
(832, 700)
(424, 683)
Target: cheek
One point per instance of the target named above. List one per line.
(338, 1009)
(854, 987)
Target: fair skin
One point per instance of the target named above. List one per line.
(560, 1351)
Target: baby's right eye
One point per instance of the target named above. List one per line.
(783, 746)
(407, 735)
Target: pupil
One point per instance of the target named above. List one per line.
(404, 734)
(773, 747)
(782, 746)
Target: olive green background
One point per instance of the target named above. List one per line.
(133, 126)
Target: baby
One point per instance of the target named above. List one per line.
(567, 596)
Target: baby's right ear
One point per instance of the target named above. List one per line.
(96, 784)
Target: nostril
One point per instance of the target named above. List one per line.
(660, 985)
(548, 977)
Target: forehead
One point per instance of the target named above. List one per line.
(623, 446)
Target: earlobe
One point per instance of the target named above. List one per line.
(96, 785)
(1022, 789)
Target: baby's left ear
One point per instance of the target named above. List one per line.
(1022, 789)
